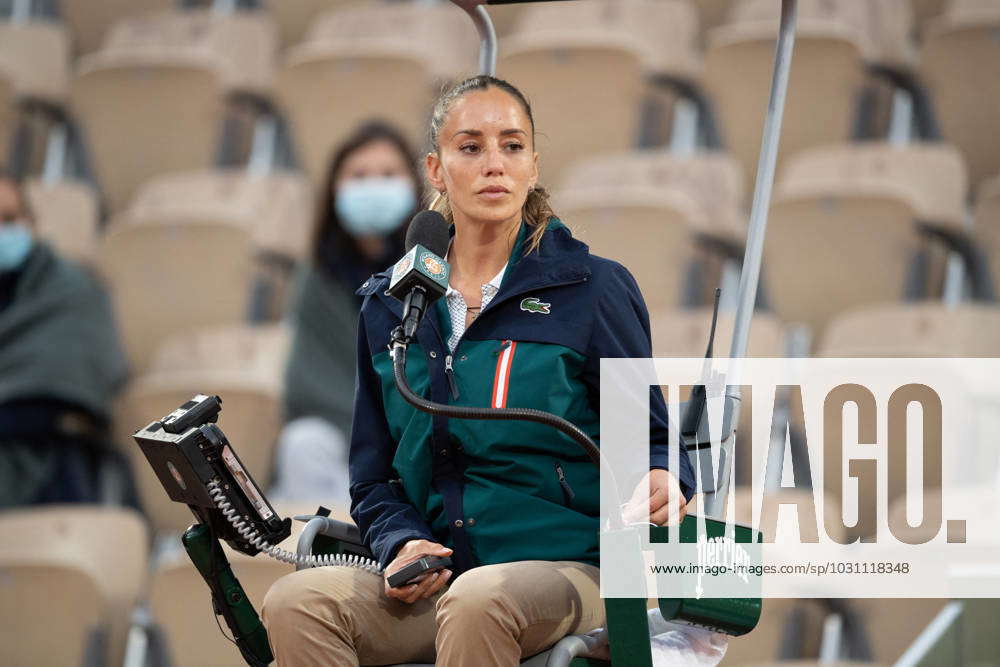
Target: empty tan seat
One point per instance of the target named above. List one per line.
(841, 231)
(275, 208)
(960, 62)
(171, 277)
(890, 28)
(668, 32)
(296, 17)
(825, 79)
(582, 68)
(36, 56)
(987, 221)
(66, 215)
(257, 349)
(374, 61)
(250, 419)
(90, 21)
(925, 330)
(51, 611)
(109, 544)
(647, 210)
(914, 330)
(151, 101)
(181, 603)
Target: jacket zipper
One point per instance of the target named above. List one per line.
(449, 371)
(567, 489)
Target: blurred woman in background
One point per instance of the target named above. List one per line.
(372, 190)
(61, 363)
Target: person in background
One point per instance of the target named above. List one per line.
(372, 190)
(61, 363)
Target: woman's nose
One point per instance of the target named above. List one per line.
(493, 164)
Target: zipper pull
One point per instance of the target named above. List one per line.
(567, 489)
(449, 372)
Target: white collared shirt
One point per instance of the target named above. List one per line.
(457, 306)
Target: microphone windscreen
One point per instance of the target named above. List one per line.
(429, 229)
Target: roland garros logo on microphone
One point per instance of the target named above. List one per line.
(434, 266)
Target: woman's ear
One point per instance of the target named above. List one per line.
(432, 165)
(534, 171)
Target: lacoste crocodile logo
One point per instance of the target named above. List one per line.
(533, 305)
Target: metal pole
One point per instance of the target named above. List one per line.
(750, 275)
(487, 34)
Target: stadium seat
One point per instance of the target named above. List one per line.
(987, 220)
(960, 60)
(51, 611)
(250, 419)
(657, 214)
(275, 208)
(170, 277)
(260, 349)
(823, 86)
(925, 330)
(842, 224)
(296, 17)
(36, 55)
(109, 545)
(582, 68)
(917, 330)
(66, 215)
(152, 99)
(89, 21)
(378, 61)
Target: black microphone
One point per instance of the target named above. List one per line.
(421, 276)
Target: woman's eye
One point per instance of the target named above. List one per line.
(469, 148)
(515, 146)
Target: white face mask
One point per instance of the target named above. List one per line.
(15, 245)
(374, 206)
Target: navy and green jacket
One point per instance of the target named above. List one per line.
(498, 491)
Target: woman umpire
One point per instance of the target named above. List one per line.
(527, 317)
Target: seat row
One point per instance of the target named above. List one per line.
(152, 98)
(858, 223)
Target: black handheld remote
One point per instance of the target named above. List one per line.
(417, 568)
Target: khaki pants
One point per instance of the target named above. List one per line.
(490, 616)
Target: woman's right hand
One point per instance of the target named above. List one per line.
(429, 584)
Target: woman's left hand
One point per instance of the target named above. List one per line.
(667, 505)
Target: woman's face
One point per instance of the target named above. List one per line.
(485, 160)
(374, 190)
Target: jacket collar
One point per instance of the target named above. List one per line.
(559, 259)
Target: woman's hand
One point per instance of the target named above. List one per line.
(429, 584)
(667, 505)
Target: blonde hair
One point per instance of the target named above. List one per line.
(536, 210)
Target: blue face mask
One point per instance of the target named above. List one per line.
(374, 206)
(15, 244)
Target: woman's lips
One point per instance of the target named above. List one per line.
(493, 193)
